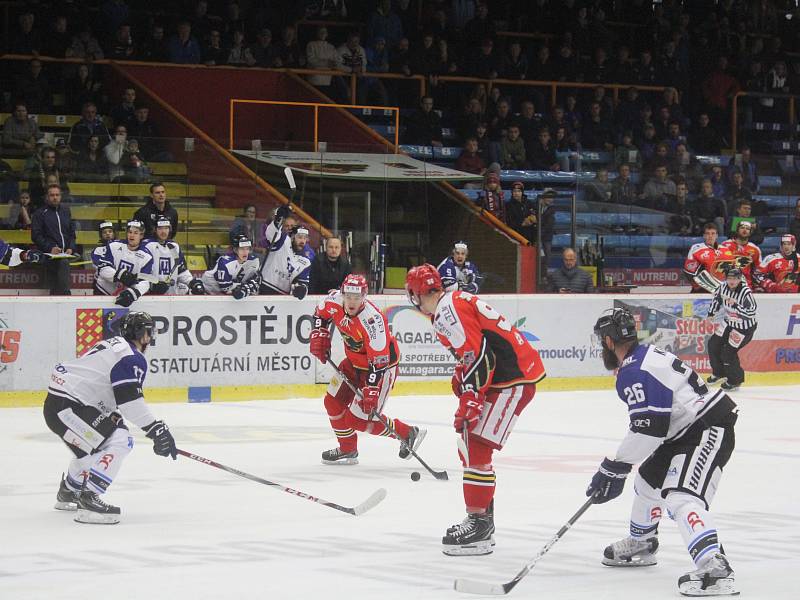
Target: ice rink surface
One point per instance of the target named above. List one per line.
(190, 531)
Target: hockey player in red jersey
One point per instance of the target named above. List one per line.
(740, 253)
(371, 358)
(494, 380)
(780, 272)
(701, 265)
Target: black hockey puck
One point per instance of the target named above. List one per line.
(415, 476)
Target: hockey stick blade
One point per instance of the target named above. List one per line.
(376, 498)
(290, 178)
(468, 586)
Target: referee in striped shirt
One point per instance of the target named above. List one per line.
(736, 299)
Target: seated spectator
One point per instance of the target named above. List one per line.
(213, 52)
(599, 189)
(686, 166)
(353, 60)
(425, 56)
(122, 113)
(288, 51)
(565, 141)
(658, 190)
(573, 116)
(329, 268)
(321, 54)
(89, 124)
(737, 192)
(20, 132)
(482, 135)
(246, 225)
(469, 160)
(623, 190)
(512, 149)
(628, 153)
(238, 53)
(384, 22)
(85, 46)
(458, 273)
(648, 143)
(596, 131)
(529, 124)
(680, 220)
(662, 122)
(498, 126)
(182, 48)
(557, 118)
(660, 159)
(37, 170)
(53, 231)
(92, 163)
(19, 212)
(154, 48)
(117, 155)
(570, 278)
(143, 129)
(27, 38)
(121, 46)
(483, 63)
(708, 208)
(377, 62)
(743, 212)
(136, 168)
(83, 88)
(65, 159)
(424, 126)
(521, 213)
(794, 224)
(718, 181)
(644, 120)
(628, 113)
(747, 166)
(674, 136)
(542, 156)
(157, 207)
(515, 63)
(547, 225)
(472, 114)
(34, 89)
(491, 199)
(704, 139)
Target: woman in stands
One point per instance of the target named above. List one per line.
(92, 162)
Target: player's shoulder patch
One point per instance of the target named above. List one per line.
(373, 323)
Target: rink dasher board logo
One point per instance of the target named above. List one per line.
(10, 343)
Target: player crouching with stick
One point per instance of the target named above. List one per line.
(495, 380)
(86, 401)
(371, 358)
(682, 435)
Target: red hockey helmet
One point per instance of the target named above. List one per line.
(355, 284)
(788, 238)
(422, 280)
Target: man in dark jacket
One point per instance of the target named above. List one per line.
(157, 208)
(329, 268)
(424, 127)
(570, 278)
(521, 213)
(90, 124)
(53, 231)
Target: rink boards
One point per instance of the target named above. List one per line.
(217, 349)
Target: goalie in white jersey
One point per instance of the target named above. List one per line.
(119, 264)
(286, 269)
(235, 273)
(170, 273)
(87, 400)
(681, 435)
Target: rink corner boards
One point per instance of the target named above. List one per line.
(231, 393)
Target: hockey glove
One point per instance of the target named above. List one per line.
(163, 442)
(283, 211)
(32, 256)
(160, 288)
(609, 480)
(197, 288)
(299, 290)
(320, 344)
(127, 297)
(126, 278)
(469, 411)
(458, 378)
(244, 290)
(370, 398)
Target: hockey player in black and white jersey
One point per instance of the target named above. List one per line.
(88, 401)
(235, 273)
(13, 257)
(681, 435)
(118, 264)
(286, 269)
(170, 273)
(736, 298)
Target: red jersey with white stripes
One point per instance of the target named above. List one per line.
(367, 341)
(494, 352)
(779, 273)
(702, 256)
(746, 257)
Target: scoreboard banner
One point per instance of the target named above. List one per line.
(263, 340)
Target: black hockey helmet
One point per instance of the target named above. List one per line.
(616, 323)
(135, 324)
(734, 272)
(241, 241)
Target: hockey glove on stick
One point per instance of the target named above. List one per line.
(126, 278)
(299, 290)
(458, 378)
(127, 297)
(197, 288)
(609, 480)
(32, 256)
(283, 211)
(163, 442)
(370, 398)
(469, 411)
(320, 343)
(160, 288)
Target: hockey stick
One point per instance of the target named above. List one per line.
(470, 586)
(368, 504)
(287, 172)
(440, 475)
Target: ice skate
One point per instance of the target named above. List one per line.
(730, 387)
(631, 552)
(414, 441)
(714, 578)
(66, 499)
(472, 537)
(92, 509)
(714, 380)
(337, 457)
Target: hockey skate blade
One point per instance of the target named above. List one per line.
(634, 562)
(480, 588)
(695, 589)
(370, 502)
(481, 548)
(67, 506)
(93, 518)
(344, 462)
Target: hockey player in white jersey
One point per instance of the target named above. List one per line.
(88, 401)
(119, 263)
(170, 273)
(13, 257)
(235, 273)
(286, 269)
(681, 435)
